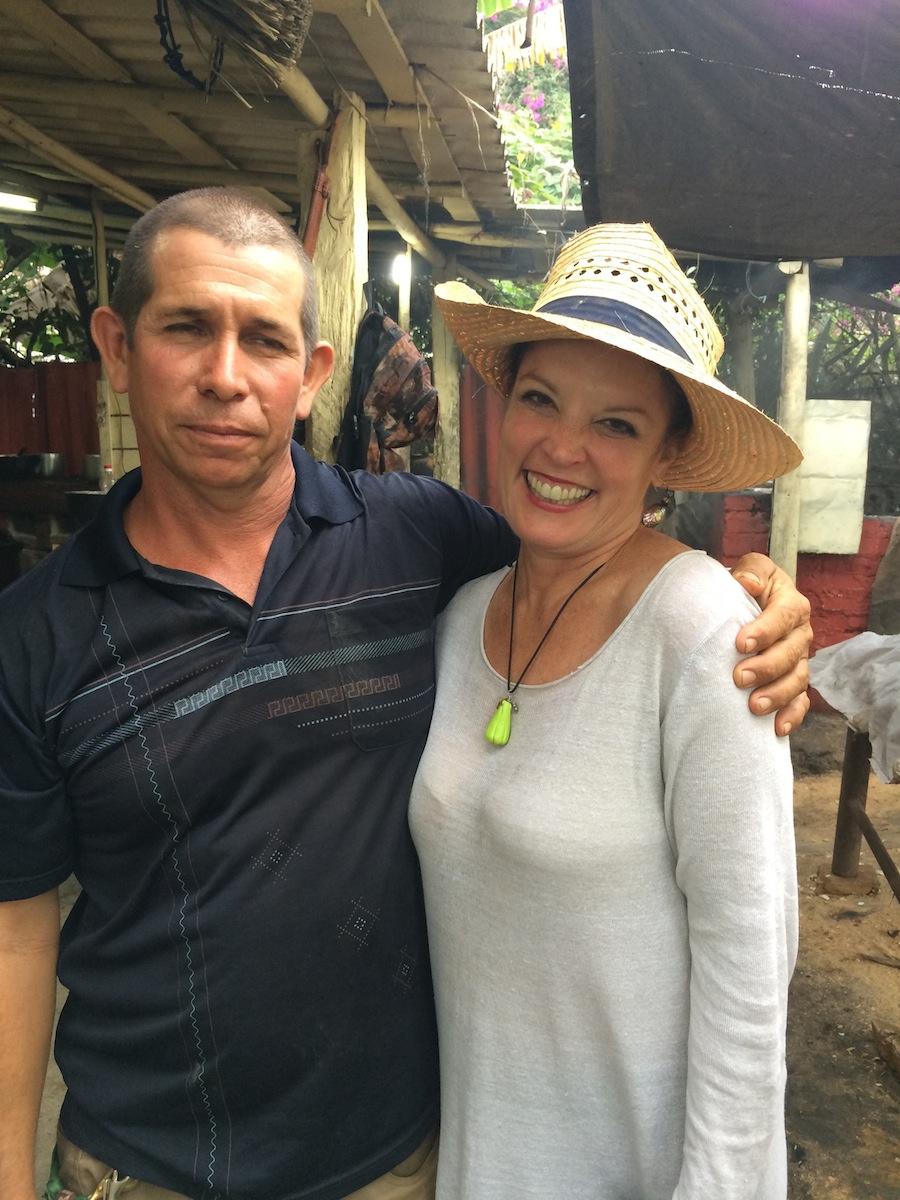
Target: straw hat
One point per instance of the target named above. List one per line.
(618, 284)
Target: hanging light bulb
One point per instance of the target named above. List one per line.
(401, 270)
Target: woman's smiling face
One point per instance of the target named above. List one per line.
(584, 434)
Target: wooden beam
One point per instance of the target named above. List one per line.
(304, 97)
(43, 184)
(475, 277)
(68, 44)
(302, 93)
(393, 116)
(470, 234)
(373, 35)
(41, 236)
(437, 191)
(175, 133)
(50, 226)
(83, 216)
(174, 176)
(370, 31)
(71, 46)
(381, 195)
(24, 134)
(183, 102)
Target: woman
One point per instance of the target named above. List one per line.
(604, 830)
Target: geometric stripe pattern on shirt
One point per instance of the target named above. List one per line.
(250, 677)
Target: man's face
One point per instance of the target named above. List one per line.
(217, 374)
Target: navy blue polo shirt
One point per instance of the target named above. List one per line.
(250, 1009)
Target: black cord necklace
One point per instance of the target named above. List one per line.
(499, 726)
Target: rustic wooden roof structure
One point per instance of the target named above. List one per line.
(88, 108)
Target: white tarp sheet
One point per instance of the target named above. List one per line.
(861, 678)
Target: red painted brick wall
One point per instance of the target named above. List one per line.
(743, 526)
(839, 586)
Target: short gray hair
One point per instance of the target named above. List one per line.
(224, 213)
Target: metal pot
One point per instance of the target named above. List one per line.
(50, 466)
(90, 469)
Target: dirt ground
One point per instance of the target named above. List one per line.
(843, 1107)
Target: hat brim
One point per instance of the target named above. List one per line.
(731, 444)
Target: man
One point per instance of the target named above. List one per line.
(212, 703)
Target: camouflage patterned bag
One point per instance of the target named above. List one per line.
(391, 400)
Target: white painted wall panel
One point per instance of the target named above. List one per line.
(833, 475)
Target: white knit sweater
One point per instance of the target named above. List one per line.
(611, 911)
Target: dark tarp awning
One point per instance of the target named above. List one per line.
(753, 129)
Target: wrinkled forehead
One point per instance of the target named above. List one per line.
(184, 253)
(189, 262)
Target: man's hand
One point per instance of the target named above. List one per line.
(778, 641)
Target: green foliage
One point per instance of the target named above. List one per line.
(488, 8)
(539, 159)
(40, 317)
(854, 354)
(536, 119)
(515, 295)
(542, 89)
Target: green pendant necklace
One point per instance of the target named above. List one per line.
(499, 727)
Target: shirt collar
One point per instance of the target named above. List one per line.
(101, 552)
(322, 491)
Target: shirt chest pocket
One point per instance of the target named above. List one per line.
(384, 654)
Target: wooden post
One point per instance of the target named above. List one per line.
(791, 409)
(854, 789)
(105, 395)
(101, 271)
(740, 343)
(446, 380)
(404, 285)
(342, 264)
(403, 268)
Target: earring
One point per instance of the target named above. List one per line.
(657, 513)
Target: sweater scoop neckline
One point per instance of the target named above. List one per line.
(640, 603)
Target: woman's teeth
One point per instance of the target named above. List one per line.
(555, 493)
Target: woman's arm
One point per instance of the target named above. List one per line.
(728, 809)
